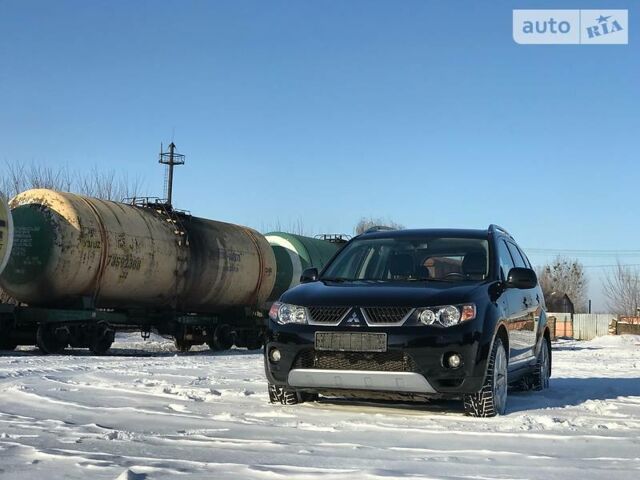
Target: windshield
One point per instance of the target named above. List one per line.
(411, 259)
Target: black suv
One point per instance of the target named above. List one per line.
(413, 314)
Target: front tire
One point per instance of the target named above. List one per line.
(283, 395)
(287, 396)
(491, 400)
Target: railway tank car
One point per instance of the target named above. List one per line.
(70, 247)
(87, 267)
(82, 268)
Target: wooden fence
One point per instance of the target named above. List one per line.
(587, 326)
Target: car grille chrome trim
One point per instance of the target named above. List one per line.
(360, 380)
(373, 316)
(330, 316)
(386, 316)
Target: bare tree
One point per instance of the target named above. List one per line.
(565, 275)
(366, 223)
(621, 286)
(107, 185)
(17, 177)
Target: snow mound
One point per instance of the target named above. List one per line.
(624, 341)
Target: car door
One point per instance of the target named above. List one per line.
(505, 300)
(528, 301)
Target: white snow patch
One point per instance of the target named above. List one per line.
(146, 412)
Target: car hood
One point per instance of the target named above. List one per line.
(364, 293)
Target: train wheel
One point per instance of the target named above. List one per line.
(182, 345)
(48, 340)
(6, 344)
(222, 338)
(103, 339)
(254, 341)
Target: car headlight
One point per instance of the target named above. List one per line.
(446, 315)
(284, 313)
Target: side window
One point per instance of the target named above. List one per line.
(517, 257)
(506, 262)
(526, 260)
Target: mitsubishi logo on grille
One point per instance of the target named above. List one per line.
(354, 319)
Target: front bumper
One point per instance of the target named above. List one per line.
(403, 382)
(413, 363)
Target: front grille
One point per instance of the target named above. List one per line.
(328, 315)
(392, 361)
(377, 315)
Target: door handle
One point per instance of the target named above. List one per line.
(525, 300)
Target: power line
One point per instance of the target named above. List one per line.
(614, 265)
(582, 253)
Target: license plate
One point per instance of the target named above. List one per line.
(351, 342)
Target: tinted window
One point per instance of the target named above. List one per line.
(526, 260)
(411, 259)
(517, 257)
(506, 262)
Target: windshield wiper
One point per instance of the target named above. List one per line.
(428, 280)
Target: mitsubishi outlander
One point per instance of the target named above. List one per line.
(413, 315)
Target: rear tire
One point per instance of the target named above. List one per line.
(542, 370)
(491, 400)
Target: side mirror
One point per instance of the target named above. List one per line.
(309, 275)
(523, 278)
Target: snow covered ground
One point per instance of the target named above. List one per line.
(146, 413)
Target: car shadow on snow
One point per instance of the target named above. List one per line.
(573, 348)
(563, 392)
(568, 392)
(435, 406)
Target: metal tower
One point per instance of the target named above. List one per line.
(170, 159)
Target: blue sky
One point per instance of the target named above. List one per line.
(425, 112)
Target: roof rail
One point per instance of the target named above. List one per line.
(379, 228)
(497, 228)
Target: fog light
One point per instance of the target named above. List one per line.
(454, 360)
(275, 355)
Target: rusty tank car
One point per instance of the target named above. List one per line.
(69, 246)
(82, 268)
(73, 251)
